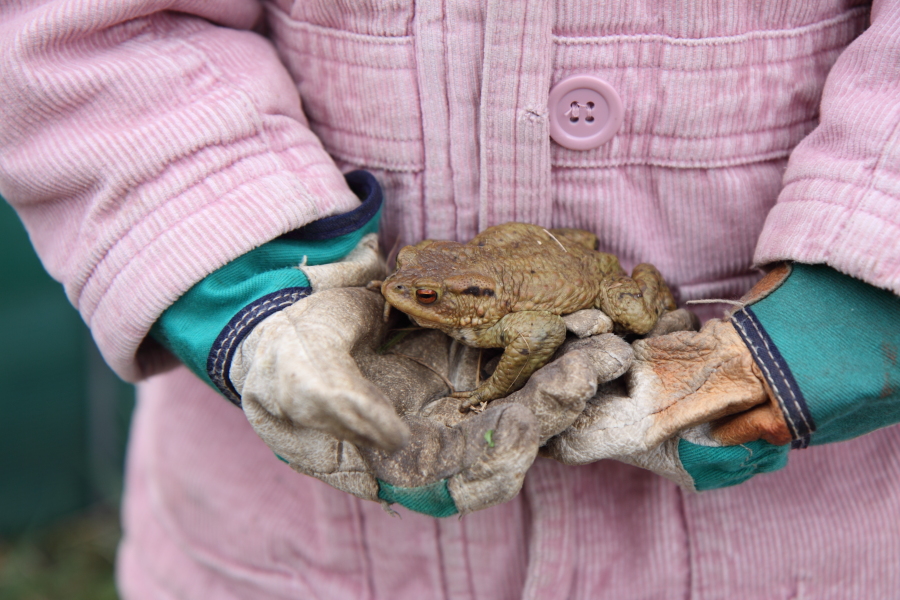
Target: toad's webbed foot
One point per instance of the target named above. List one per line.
(529, 340)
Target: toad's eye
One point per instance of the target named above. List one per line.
(426, 296)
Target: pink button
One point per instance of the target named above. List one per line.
(585, 112)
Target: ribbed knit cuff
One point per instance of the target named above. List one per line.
(205, 326)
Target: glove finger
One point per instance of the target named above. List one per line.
(312, 381)
(617, 421)
(475, 464)
(610, 355)
(321, 383)
(663, 460)
(501, 444)
(557, 393)
(675, 320)
(606, 428)
(342, 402)
(314, 452)
(327, 392)
(764, 422)
(336, 398)
(589, 321)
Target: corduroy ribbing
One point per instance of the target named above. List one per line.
(551, 573)
(841, 200)
(702, 258)
(464, 31)
(359, 91)
(691, 21)
(368, 17)
(825, 526)
(631, 543)
(801, 526)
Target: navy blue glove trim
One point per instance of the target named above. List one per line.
(220, 356)
(366, 187)
(778, 374)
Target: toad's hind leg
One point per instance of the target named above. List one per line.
(657, 295)
(635, 303)
(529, 340)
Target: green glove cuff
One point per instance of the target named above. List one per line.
(713, 467)
(433, 499)
(206, 325)
(828, 344)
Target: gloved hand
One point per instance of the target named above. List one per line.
(381, 424)
(672, 402)
(809, 358)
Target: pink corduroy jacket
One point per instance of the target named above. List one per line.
(145, 143)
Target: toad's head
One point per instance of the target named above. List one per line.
(442, 285)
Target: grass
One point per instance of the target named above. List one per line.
(69, 560)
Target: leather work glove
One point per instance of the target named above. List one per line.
(713, 408)
(382, 425)
(680, 385)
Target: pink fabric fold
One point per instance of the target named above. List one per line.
(841, 199)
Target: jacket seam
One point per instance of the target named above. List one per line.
(675, 164)
(362, 134)
(373, 163)
(777, 34)
(737, 134)
(352, 36)
(864, 191)
(735, 65)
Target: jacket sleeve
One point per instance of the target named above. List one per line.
(840, 204)
(146, 143)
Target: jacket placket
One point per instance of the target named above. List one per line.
(514, 128)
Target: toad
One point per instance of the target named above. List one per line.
(509, 288)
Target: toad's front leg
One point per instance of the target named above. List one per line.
(529, 339)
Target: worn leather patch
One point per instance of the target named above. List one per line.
(768, 284)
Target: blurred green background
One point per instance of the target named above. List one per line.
(63, 429)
